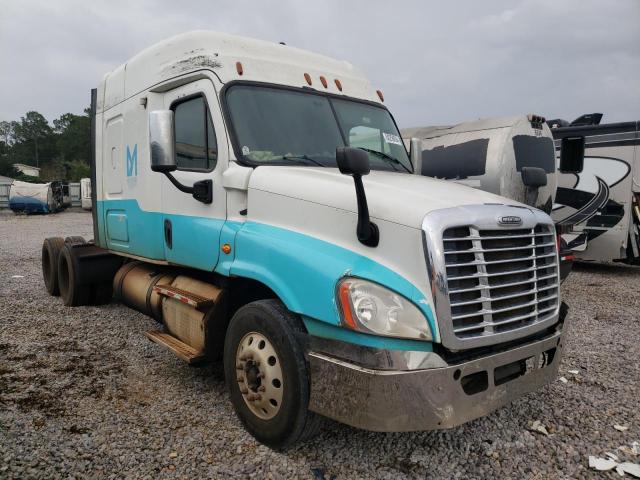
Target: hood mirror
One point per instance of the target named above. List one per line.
(355, 162)
(533, 178)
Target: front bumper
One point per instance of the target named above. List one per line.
(431, 398)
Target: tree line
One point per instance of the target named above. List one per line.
(61, 150)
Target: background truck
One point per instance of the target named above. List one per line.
(598, 201)
(509, 156)
(240, 200)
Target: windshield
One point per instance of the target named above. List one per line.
(282, 126)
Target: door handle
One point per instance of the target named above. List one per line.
(168, 237)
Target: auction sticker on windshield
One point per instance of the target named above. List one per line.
(391, 138)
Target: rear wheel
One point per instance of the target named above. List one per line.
(72, 292)
(267, 374)
(50, 251)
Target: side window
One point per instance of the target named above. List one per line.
(571, 154)
(196, 146)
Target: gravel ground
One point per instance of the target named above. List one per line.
(84, 394)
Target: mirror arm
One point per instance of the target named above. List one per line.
(367, 231)
(177, 184)
(201, 190)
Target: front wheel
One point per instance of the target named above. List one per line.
(267, 374)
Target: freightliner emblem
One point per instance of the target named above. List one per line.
(510, 220)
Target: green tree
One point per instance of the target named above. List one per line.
(33, 128)
(6, 132)
(73, 141)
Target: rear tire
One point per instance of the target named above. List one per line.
(288, 419)
(50, 251)
(73, 294)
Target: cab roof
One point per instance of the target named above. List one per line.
(220, 53)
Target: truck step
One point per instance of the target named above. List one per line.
(190, 298)
(181, 349)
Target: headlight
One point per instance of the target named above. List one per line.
(370, 308)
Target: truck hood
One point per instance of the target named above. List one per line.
(394, 197)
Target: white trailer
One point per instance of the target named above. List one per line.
(599, 199)
(510, 156)
(26, 197)
(85, 193)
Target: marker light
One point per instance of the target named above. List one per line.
(380, 95)
(323, 81)
(338, 84)
(307, 77)
(371, 308)
(239, 68)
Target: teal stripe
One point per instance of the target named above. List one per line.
(302, 270)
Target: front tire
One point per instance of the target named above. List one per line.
(267, 374)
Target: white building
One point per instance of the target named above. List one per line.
(27, 169)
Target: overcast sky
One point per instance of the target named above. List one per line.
(436, 62)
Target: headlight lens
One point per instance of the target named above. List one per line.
(372, 308)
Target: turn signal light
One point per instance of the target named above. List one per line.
(380, 95)
(345, 300)
(338, 84)
(307, 77)
(323, 81)
(239, 68)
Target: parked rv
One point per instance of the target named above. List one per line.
(598, 199)
(509, 156)
(85, 193)
(240, 200)
(25, 197)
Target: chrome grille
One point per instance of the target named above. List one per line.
(500, 280)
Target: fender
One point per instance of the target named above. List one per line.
(303, 271)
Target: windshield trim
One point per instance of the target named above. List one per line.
(242, 160)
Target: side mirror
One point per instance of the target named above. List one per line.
(415, 153)
(161, 141)
(534, 177)
(571, 154)
(163, 155)
(352, 161)
(355, 162)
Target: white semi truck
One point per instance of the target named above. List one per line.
(240, 201)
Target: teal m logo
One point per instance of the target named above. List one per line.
(132, 161)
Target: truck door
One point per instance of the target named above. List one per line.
(192, 228)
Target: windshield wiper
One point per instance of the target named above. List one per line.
(386, 157)
(302, 157)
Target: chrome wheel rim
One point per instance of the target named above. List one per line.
(259, 375)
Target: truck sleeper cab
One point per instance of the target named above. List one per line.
(258, 201)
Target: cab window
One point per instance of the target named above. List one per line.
(196, 146)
